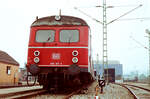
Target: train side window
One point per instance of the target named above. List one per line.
(8, 71)
(45, 36)
(69, 36)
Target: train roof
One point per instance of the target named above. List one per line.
(59, 20)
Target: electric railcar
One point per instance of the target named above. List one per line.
(59, 51)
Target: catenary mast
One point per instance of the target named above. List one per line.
(105, 57)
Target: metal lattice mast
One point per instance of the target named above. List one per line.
(105, 58)
(148, 32)
(149, 56)
(104, 23)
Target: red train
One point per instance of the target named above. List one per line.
(59, 51)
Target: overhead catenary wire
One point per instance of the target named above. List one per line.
(139, 43)
(125, 14)
(142, 19)
(92, 6)
(88, 15)
(123, 6)
(116, 19)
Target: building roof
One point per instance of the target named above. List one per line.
(5, 58)
(64, 20)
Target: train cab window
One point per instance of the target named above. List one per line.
(45, 36)
(69, 36)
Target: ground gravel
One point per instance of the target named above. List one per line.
(111, 91)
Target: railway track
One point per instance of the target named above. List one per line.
(23, 94)
(69, 94)
(137, 91)
(3, 87)
(83, 89)
(38, 93)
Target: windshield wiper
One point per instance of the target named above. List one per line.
(49, 38)
(70, 37)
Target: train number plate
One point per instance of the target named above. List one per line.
(56, 56)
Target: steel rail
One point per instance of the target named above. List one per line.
(138, 87)
(77, 91)
(125, 86)
(132, 93)
(35, 92)
(15, 86)
(23, 94)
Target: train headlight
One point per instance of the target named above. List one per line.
(36, 59)
(57, 17)
(74, 59)
(36, 53)
(75, 53)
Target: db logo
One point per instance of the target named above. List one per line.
(56, 56)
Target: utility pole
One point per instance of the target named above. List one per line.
(148, 32)
(104, 23)
(105, 54)
(105, 58)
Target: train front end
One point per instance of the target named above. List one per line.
(58, 51)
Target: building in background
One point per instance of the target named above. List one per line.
(8, 69)
(115, 70)
(22, 74)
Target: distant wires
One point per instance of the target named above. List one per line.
(144, 18)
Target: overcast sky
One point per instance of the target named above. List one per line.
(16, 17)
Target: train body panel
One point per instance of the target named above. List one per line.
(57, 53)
(58, 57)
